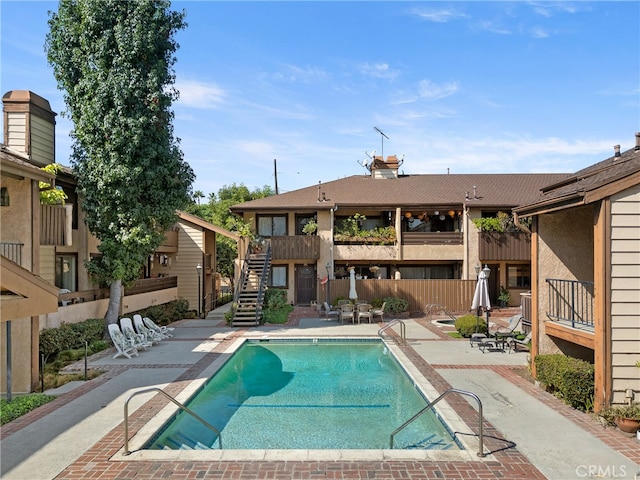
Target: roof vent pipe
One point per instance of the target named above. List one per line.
(637, 141)
(616, 149)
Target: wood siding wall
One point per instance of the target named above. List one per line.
(625, 293)
(298, 247)
(509, 246)
(52, 225)
(432, 238)
(454, 295)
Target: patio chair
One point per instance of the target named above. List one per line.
(514, 342)
(138, 340)
(123, 346)
(365, 311)
(347, 312)
(515, 322)
(379, 311)
(149, 334)
(161, 329)
(328, 311)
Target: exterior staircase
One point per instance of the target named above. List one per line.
(251, 288)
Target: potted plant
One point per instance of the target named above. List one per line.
(625, 417)
(504, 298)
(310, 228)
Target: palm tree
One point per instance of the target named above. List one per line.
(197, 195)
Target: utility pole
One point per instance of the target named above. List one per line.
(275, 173)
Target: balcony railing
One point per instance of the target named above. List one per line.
(432, 238)
(494, 246)
(52, 224)
(298, 247)
(143, 285)
(12, 250)
(571, 301)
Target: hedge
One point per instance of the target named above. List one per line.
(71, 335)
(570, 379)
(469, 324)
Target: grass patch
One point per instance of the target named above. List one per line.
(455, 334)
(19, 406)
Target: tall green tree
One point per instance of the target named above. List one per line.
(114, 62)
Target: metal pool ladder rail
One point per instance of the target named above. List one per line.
(430, 406)
(175, 402)
(392, 323)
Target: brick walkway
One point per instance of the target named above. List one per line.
(505, 461)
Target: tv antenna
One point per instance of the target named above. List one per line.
(382, 137)
(367, 163)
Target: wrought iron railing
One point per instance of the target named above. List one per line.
(571, 301)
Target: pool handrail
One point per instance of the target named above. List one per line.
(175, 402)
(430, 406)
(392, 323)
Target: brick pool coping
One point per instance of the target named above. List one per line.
(504, 461)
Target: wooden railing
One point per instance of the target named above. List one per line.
(454, 295)
(298, 247)
(495, 246)
(144, 285)
(12, 250)
(432, 238)
(52, 224)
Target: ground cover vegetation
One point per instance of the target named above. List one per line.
(114, 62)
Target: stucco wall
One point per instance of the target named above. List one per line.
(20, 356)
(15, 225)
(565, 251)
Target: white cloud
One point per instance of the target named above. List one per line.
(201, 95)
(293, 73)
(442, 15)
(378, 70)
(539, 32)
(432, 91)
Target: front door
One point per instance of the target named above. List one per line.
(305, 284)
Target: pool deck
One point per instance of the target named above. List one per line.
(529, 433)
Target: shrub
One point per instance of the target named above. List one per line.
(469, 324)
(19, 406)
(396, 305)
(276, 308)
(71, 335)
(275, 298)
(570, 379)
(167, 313)
(377, 303)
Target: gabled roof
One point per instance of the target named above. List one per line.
(491, 191)
(588, 185)
(187, 217)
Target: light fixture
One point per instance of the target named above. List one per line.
(408, 215)
(452, 213)
(477, 267)
(486, 270)
(437, 212)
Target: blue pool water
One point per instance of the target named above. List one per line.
(310, 394)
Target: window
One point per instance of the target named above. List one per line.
(66, 272)
(301, 221)
(278, 276)
(519, 276)
(270, 226)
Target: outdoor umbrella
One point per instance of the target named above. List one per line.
(481, 297)
(353, 295)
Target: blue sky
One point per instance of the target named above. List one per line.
(464, 87)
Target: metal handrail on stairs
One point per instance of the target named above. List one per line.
(403, 335)
(430, 406)
(431, 308)
(175, 402)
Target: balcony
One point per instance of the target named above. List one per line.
(53, 224)
(507, 246)
(570, 311)
(12, 250)
(298, 247)
(432, 238)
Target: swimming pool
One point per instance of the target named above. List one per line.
(307, 394)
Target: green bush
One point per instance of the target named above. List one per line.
(377, 303)
(570, 379)
(71, 335)
(167, 313)
(395, 305)
(469, 324)
(275, 298)
(19, 406)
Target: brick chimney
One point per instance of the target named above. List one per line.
(382, 169)
(29, 126)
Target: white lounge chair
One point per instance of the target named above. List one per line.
(150, 335)
(138, 340)
(161, 329)
(329, 312)
(123, 346)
